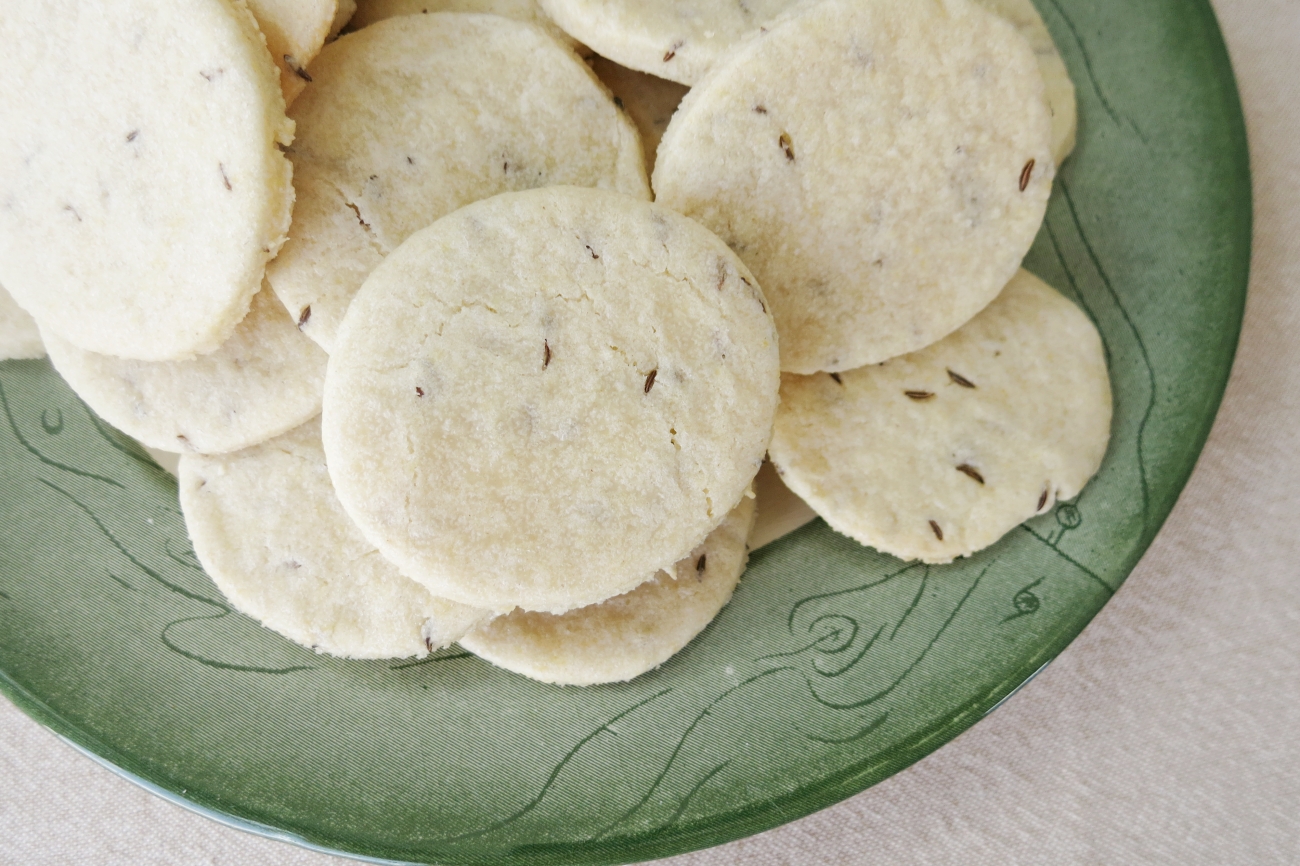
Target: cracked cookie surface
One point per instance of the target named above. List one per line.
(412, 117)
(546, 397)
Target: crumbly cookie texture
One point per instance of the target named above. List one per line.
(938, 454)
(885, 193)
(295, 30)
(19, 336)
(413, 117)
(648, 100)
(370, 11)
(269, 531)
(1056, 78)
(625, 636)
(546, 397)
(139, 213)
(342, 18)
(667, 38)
(266, 379)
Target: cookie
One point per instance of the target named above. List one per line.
(266, 379)
(667, 38)
(370, 11)
(19, 336)
(295, 30)
(140, 169)
(625, 636)
(886, 193)
(648, 100)
(546, 397)
(938, 454)
(342, 18)
(682, 41)
(270, 533)
(1056, 78)
(413, 117)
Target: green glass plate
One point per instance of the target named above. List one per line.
(834, 666)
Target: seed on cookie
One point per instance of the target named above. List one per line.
(513, 483)
(144, 184)
(947, 480)
(881, 197)
(266, 379)
(412, 117)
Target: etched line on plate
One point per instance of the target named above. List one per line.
(824, 595)
(111, 440)
(555, 773)
(188, 562)
(120, 581)
(857, 658)
(690, 795)
(907, 672)
(137, 563)
(22, 440)
(681, 742)
(1025, 602)
(866, 731)
(920, 591)
(1104, 585)
(1137, 337)
(213, 663)
(427, 660)
(1087, 62)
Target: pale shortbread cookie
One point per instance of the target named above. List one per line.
(413, 117)
(295, 30)
(370, 11)
(623, 637)
(266, 379)
(140, 170)
(271, 534)
(886, 192)
(648, 100)
(19, 336)
(342, 18)
(684, 40)
(1059, 88)
(938, 454)
(546, 397)
(672, 39)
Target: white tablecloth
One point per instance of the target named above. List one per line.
(1168, 733)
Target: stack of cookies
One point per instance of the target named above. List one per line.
(438, 367)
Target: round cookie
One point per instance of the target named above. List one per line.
(940, 453)
(546, 397)
(671, 39)
(886, 193)
(266, 379)
(295, 30)
(1056, 78)
(19, 336)
(683, 41)
(648, 100)
(141, 171)
(623, 637)
(413, 117)
(370, 11)
(270, 533)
